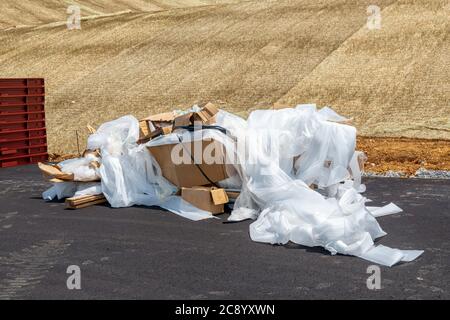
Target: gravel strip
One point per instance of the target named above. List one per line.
(422, 173)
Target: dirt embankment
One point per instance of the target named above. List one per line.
(243, 56)
(404, 154)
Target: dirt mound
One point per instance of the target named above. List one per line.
(404, 154)
(34, 12)
(242, 56)
(393, 81)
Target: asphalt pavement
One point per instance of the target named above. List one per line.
(148, 253)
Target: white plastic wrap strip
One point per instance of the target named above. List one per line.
(60, 190)
(388, 209)
(184, 209)
(388, 256)
(88, 188)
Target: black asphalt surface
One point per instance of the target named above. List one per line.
(147, 253)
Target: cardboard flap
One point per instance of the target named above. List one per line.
(54, 172)
(183, 120)
(233, 194)
(161, 117)
(189, 174)
(48, 169)
(219, 196)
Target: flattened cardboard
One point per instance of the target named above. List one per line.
(201, 198)
(189, 174)
(161, 117)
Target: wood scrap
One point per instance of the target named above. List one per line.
(91, 129)
(85, 201)
(88, 204)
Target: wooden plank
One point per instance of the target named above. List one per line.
(76, 201)
(87, 204)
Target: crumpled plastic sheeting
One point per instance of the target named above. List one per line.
(130, 175)
(80, 167)
(61, 190)
(388, 209)
(290, 210)
(88, 189)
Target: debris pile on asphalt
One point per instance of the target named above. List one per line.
(294, 171)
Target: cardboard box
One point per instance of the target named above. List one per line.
(189, 174)
(206, 198)
(207, 115)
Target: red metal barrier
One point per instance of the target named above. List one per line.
(23, 138)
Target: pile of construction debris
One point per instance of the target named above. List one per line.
(294, 170)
